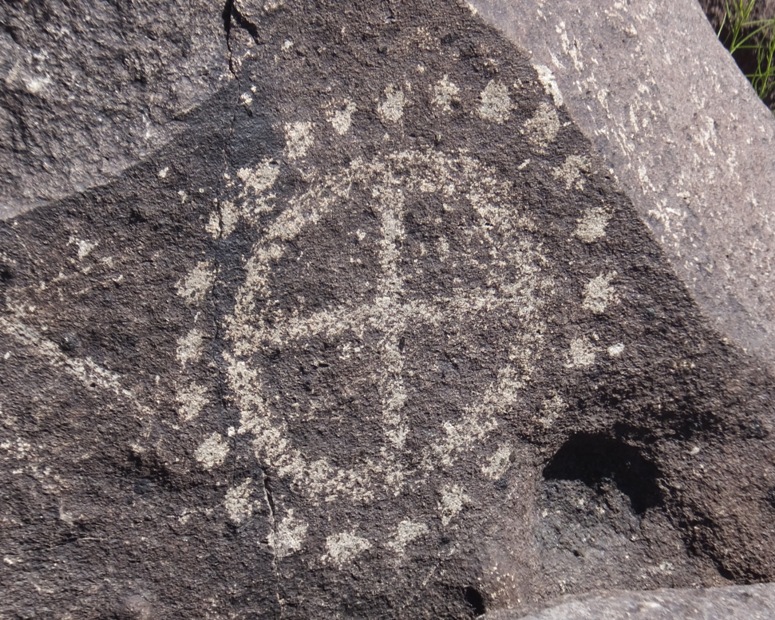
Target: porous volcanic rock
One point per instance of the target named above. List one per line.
(378, 335)
(91, 88)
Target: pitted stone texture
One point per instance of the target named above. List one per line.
(378, 337)
(755, 602)
(691, 143)
(91, 88)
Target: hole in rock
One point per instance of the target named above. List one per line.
(770, 497)
(6, 273)
(595, 459)
(474, 600)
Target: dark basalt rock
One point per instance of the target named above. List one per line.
(377, 335)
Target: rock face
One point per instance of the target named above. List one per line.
(377, 336)
(687, 136)
(733, 603)
(90, 88)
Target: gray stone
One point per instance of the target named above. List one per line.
(690, 142)
(755, 602)
(91, 88)
(378, 335)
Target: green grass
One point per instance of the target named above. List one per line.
(752, 43)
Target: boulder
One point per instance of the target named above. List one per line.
(377, 333)
(684, 132)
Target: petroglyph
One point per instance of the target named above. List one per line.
(367, 328)
(85, 370)
(238, 502)
(498, 463)
(298, 139)
(453, 499)
(84, 247)
(341, 119)
(591, 226)
(552, 409)
(263, 176)
(543, 127)
(343, 547)
(191, 398)
(445, 93)
(288, 536)
(495, 103)
(406, 533)
(518, 288)
(572, 171)
(190, 346)
(615, 350)
(196, 284)
(599, 294)
(582, 353)
(319, 354)
(212, 451)
(391, 109)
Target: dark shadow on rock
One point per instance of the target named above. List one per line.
(595, 458)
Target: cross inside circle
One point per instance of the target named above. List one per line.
(509, 280)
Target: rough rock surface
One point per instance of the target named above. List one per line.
(377, 336)
(90, 88)
(691, 143)
(755, 602)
